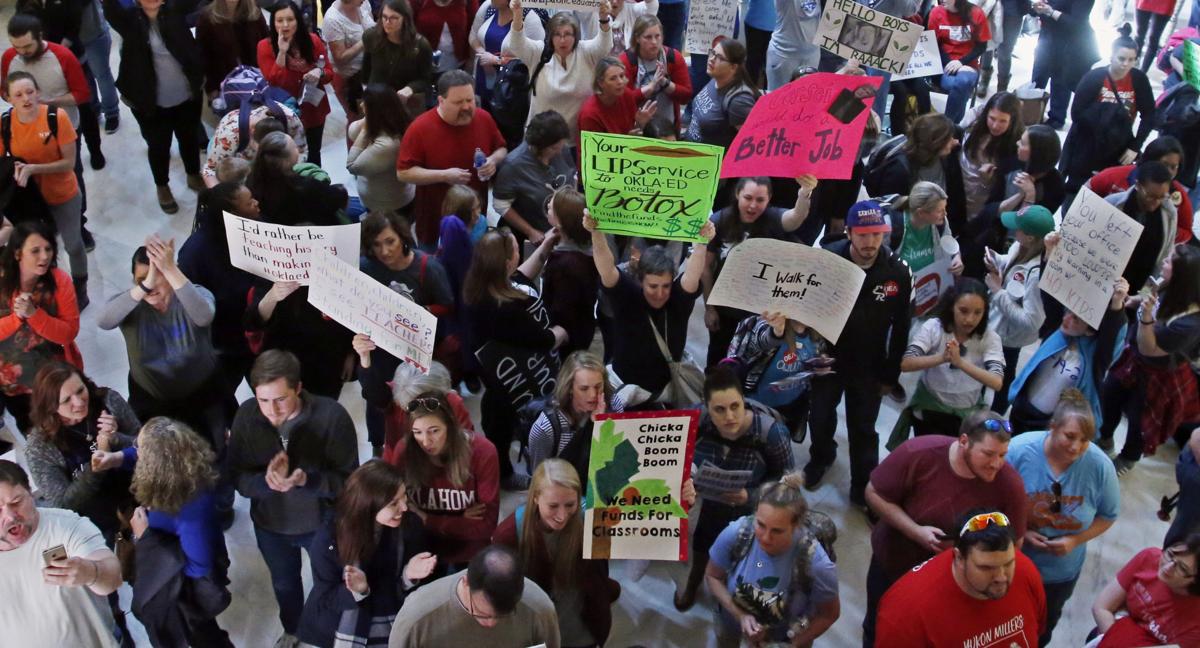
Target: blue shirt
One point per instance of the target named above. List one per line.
(761, 15)
(198, 531)
(785, 364)
(1089, 490)
(765, 580)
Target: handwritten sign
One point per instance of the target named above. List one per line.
(395, 323)
(925, 61)
(638, 186)
(1191, 63)
(284, 253)
(791, 131)
(1097, 241)
(711, 482)
(639, 461)
(930, 283)
(873, 38)
(565, 5)
(813, 286)
(708, 19)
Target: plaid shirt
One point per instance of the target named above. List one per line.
(765, 450)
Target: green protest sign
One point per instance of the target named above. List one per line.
(1191, 63)
(638, 186)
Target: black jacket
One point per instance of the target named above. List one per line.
(164, 599)
(136, 78)
(1101, 131)
(894, 174)
(876, 334)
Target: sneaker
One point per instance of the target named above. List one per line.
(111, 124)
(813, 474)
(166, 200)
(89, 241)
(898, 394)
(287, 641)
(515, 482)
(98, 161)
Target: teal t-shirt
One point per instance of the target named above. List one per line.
(917, 246)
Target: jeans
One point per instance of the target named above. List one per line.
(881, 97)
(958, 87)
(674, 18)
(862, 409)
(698, 70)
(1057, 595)
(1003, 53)
(158, 126)
(97, 55)
(756, 52)
(1193, 19)
(67, 219)
(281, 552)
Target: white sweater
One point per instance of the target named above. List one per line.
(589, 21)
(560, 87)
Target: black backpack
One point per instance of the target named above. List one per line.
(16, 202)
(510, 100)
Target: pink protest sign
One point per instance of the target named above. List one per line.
(811, 125)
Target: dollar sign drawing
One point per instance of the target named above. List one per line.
(694, 227)
(672, 226)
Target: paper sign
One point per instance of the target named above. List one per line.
(395, 323)
(639, 461)
(523, 374)
(638, 186)
(930, 283)
(711, 482)
(564, 5)
(791, 131)
(813, 286)
(1191, 63)
(284, 253)
(925, 61)
(1097, 241)
(708, 19)
(873, 38)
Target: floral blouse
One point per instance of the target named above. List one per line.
(226, 138)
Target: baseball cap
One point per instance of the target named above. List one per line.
(1034, 220)
(867, 217)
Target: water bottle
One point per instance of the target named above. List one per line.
(480, 160)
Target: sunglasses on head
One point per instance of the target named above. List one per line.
(995, 425)
(982, 521)
(425, 403)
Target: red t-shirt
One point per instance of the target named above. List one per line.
(955, 36)
(1124, 90)
(431, 143)
(917, 476)
(1116, 179)
(617, 118)
(1159, 616)
(927, 608)
(457, 538)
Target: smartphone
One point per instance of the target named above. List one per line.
(57, 552)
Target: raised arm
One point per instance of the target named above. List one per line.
(602, 255)
(690, 281)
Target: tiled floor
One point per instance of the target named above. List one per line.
(123, 211)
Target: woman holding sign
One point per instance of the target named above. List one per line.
(547, 533)
(739, 447)
(1152, 383)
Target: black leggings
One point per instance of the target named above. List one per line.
(313, 136)
(1154, 24)
(1117, 400)
(158, 126)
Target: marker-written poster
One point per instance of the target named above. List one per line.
(873, 38)
(811, 125)
(708, 19)
(926, 59)
(639, 461)
(813, 286)
(284, 253)
(638, 186)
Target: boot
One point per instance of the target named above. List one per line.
(1002, 82)
(981, 87)
(195, 182)
(81, 294)
(166, 200)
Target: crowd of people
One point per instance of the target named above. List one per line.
(457, 110)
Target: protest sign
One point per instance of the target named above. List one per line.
(930, 283)
(873, 38)
(395, 323)
(1191, 63)
(708, 19)
(813, 286)
(711, 482)
(792, 130)
(523, 374)
(564, 5)
(638, 186)
(1096, 242)
(638, 463)
(926, 59)
(284, 253)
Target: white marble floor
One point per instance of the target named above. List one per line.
(123, 211)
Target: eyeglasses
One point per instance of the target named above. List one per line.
(713, 54)
(1172, 556)
(427, 403)
(1056, 505)
(995, 425)
(981, 522)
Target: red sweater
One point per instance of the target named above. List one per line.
(677, 71)
(396, 425)
(456, 537)
(1119, 178)
(292, 80)
(618, 118)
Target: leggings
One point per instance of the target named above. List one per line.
(158, 126)
(1154, 24)
(313, 136)
(67, 219)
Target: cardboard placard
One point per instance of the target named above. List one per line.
(708, 19)
(639, 461)
(284, 253)
(926, 59)
(930, 283)
(813, 286)
(875, 39)
(1097, 241)
(638, 186)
